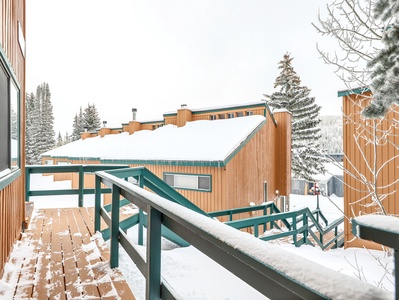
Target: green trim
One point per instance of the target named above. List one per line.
(270, 113)
(215, 110)
(170, 115)
(357, 91)
(238, 149)
(9, 178)
(152, 122)
(189, 174)
(228, 108)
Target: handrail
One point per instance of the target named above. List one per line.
(375, 228)
(75, 168)
(297, 216)
(255, 262)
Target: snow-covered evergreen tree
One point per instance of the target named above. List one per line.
(46, 139)
(67, 138)
(91, 118)
(60, 141)
(32, 125)
(385, 65)
(77, 126)
(307, 158)
(40, 136)
(331, 134)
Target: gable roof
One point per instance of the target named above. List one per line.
(203, 142)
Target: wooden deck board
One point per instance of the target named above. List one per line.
(67, 260)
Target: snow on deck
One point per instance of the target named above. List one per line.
(202, 140)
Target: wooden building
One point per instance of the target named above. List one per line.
(12, 124)
(219, 158)
(371, 160)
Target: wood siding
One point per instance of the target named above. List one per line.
(12, 205)
(361, 157)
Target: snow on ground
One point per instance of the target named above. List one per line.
(194, 276)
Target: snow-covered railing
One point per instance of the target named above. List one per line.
(276, 273)
(381, 229)
(49, 169)
(300, 224)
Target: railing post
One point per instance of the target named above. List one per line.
(97, 204)
(153, 282)
(141, 217)
(305, 223)
(396, 257)
(81, 186)
(114, 241)
(27, 184)
(294, 229)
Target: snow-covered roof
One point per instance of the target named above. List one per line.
(197, 141)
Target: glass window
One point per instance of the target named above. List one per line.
(204, 183)
(188, 181)
(9, 122)
(14, 124)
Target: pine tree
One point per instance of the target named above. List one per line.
(67, 138)
(46, 140)
(39, 124)
(385, 65)
(91, 118)
(32, 125)
(60, 142)
(307, 158)
(77, 126)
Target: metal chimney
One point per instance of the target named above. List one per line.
(104, 124)
(134, 111)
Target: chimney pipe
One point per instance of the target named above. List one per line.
(134, 111)
(104, 124)
(184, 106)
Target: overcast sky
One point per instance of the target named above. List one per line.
(155, 55)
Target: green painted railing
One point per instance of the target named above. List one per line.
(296, 223)
(250, 261)
(80, 169)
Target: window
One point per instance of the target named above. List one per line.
(222, 116)
(249, 113)
(63, 163)
(240, 114)
(48, 162)
(9, 121)
(188, 181)
(230, 115)
(212, 117)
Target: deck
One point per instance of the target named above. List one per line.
(60, 257)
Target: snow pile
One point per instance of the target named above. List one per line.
(202, 140)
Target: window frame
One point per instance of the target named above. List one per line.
(11, 162)
(209, 176)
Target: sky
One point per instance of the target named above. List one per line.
(155, 55)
